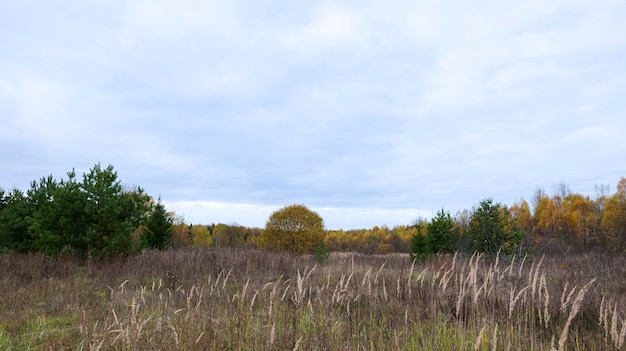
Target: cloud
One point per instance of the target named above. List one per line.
(254, 215)
(331, 27)
(358, 106)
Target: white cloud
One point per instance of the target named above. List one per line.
(253, 215)
(41, 106)
(350, 108)
(331, 27)
(174, 20)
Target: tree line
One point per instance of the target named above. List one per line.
(560, 223)
(98, 217)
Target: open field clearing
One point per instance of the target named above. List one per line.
(253, 300)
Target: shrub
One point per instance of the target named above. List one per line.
(293, 229)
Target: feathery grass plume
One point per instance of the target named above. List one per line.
(297, 344)
(352, 266)
(622, 335)
(535, 278)
(494, 338)
(510, 269)
(573, 312)
(479, 340)
(568, 298)
(564, 295)
(459, 300)
(495, 265)
(308, 275)
(199, 337)
(349, 279)
(398, 294)
(436, 276)
(200, 296)
(377, 273)
(123, 285)
(244, 290)
(421, 277)
(385, 290)
(447, 276)
(474, 264)
(546, 297)
(600, 318)
(477, 292)
(521, 266)
(254, 299)
(215, 284)
(272, 334)
(513, 301)
(336, 297)
(472, 278)
(174, 333)
(460, 277)
(282, 298)
(273, 292)
(490, 278)
(327, 285)
(300, 284)
(614, 326)
(366, 276)
(603, 319)
(226, 279)
(408, 280)
(190, 296)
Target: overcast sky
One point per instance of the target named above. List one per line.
(369, 112)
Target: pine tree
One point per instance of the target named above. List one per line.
(157, 232)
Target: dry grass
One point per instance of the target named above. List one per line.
(253, 300)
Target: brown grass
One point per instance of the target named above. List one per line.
(253, 300)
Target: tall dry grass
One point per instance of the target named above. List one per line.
(250, 300)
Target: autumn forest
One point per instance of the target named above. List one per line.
(99, 217)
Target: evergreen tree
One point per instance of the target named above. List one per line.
(15, 219)
(95, 217)
(491, 229)
(157, 232)
(420, 247)
(441, 233)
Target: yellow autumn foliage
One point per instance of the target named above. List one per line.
(293, 229)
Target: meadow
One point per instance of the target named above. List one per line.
(247, 299)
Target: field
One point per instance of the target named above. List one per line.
(253, 300)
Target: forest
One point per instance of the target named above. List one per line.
(98, 217)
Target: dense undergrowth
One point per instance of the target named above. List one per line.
(252, 300)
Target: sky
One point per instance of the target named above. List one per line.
(367, 112)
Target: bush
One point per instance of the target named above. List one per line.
(293, 229)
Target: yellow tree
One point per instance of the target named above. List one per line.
(520, 212)
(229, 235)
(294, 229)
(579, 218)
(614, 217)
(200, 236)
(181, 235)
(546, 217)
